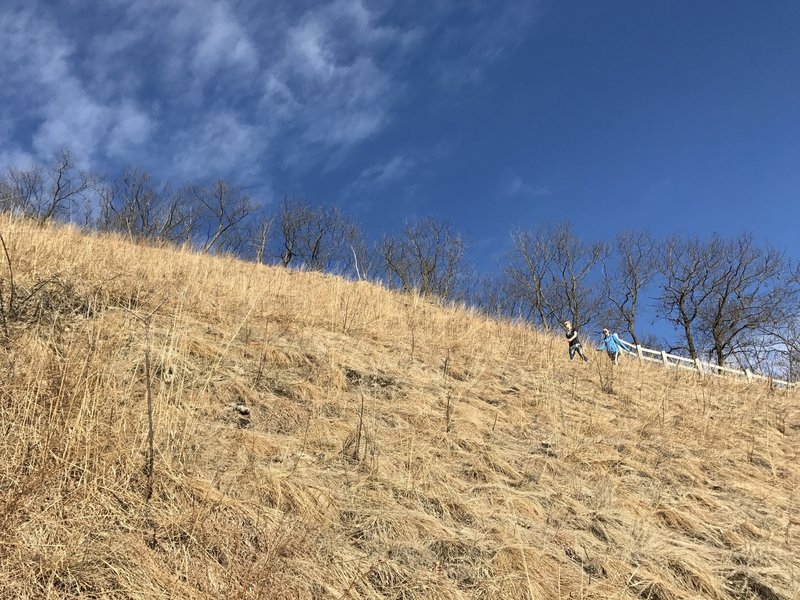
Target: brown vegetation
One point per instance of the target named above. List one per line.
(318, 438)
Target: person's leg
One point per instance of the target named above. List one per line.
(581, 354)
(571, 352)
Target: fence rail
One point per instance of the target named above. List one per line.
(697, 365)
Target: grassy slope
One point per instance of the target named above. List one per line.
(538, 485)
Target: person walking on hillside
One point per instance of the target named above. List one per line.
(574, 343)
(612, 345)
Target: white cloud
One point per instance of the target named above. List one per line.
(489, 30)
(131, 130)
(515, 186)
(380, 175)
(69, 116)
(78, 124)
(15, 157)
(326, 84)
(216, 38)
(216, 88)
(307, 52)
(322, 89)
(221, 145)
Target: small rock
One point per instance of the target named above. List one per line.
(168, 375)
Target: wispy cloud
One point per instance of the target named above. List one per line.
(45, 86)
(515, 186)
(328, 84)
(221, 144)
(216, 88)
(169, 72)
(221, 41)
(480, 34)
(17, 158)
(379, 176)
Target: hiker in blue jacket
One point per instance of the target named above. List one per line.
(612, 345)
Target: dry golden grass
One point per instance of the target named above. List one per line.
(394, 448)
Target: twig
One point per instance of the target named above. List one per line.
(11, 290)
(358, 430)
(448, 409)
(150, 458)
(303, 447)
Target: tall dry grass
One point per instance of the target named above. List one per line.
(318, 438)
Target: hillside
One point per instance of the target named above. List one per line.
(392, 448)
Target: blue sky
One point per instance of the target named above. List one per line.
(683, 117)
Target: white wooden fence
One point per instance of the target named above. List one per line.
(697, 365)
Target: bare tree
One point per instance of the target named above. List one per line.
(527, 277)
(366, 257)
(135, 206)
(44, 194)
(574, 269)
(492, 296)
(746, 295)
(22, 190)
(66, 187)
(550, 275)
(260, 236)
(686, 268)
(429, 257)
(318, 237)
(725, 295)
(221, 210)
(633, 269)
(773, 345)
(788, 329)
(783, 354)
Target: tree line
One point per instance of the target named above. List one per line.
(732, 300)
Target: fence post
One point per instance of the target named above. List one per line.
(698, 365)
(639, 351)
(664, 358)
